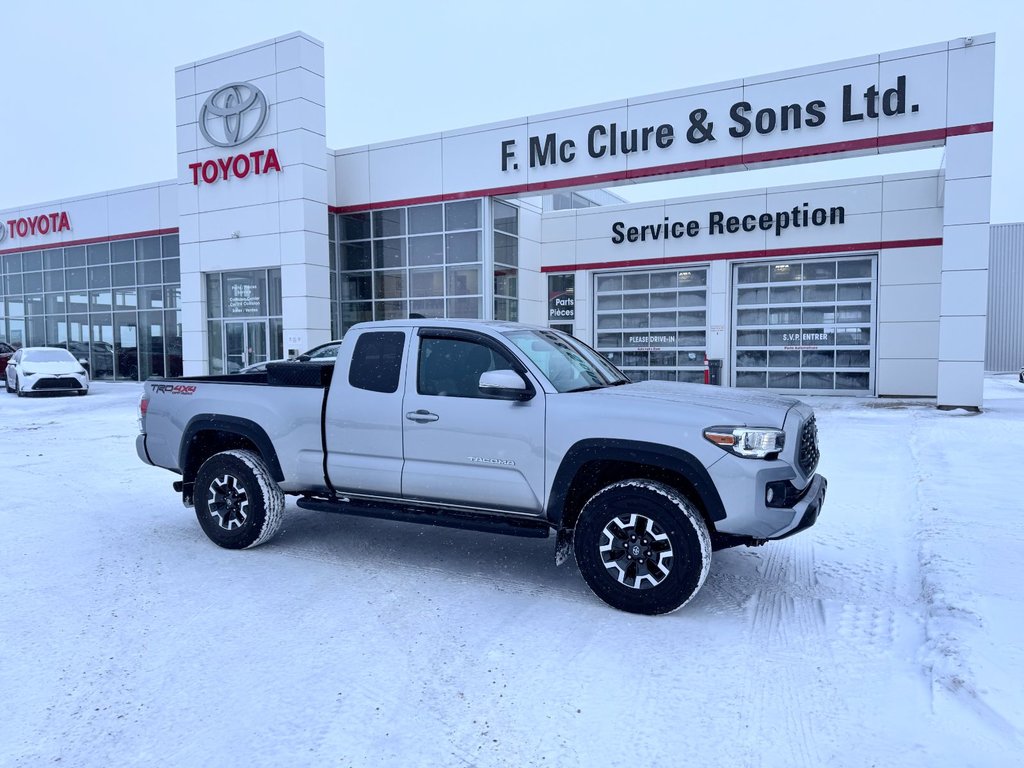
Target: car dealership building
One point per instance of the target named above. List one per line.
(267, 242)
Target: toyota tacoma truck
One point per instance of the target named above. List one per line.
(498, 427)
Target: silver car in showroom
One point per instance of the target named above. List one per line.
(45, 369)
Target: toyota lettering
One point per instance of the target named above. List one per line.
(238, 166)
(41, 224)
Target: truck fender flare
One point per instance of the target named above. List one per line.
(250, 430)
(632, 452)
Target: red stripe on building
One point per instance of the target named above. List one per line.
(964, 130)
(92, 240)
(807, 250)
(753, 158)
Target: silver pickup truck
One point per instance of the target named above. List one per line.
(496, 427)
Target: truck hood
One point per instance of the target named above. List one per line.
(725, 405)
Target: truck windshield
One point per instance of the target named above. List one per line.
(568, 364)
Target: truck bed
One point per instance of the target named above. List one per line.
(286, 402)
(279, 374)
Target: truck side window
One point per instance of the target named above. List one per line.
(377, 361)
(452, 367)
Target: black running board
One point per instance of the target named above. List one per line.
(424, 514)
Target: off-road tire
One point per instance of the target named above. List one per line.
(671, 566)
(237, 502)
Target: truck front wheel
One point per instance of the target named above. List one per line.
(237, 502)
(642, 547)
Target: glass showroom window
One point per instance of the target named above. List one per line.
(506, 261)
(332, 239)
(424, 260)
(114, 305)
(244, 318)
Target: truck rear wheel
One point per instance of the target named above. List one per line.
(642, 547)
(237, 502)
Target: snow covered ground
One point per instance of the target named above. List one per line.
(887, 635)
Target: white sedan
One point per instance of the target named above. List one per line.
(45, 369)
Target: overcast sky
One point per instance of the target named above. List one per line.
(88, 93)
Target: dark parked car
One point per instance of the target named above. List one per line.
(101, 363)
(6, 352)
(98, 358)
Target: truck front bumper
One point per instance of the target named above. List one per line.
(751, 512)
(807, 509)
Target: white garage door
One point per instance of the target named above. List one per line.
(653, 324)
(805, 326)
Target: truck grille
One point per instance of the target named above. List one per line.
(808, 454)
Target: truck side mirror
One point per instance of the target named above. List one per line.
(505, 385)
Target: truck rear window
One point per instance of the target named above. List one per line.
(377, 361)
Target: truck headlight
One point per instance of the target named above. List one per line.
(748, 442)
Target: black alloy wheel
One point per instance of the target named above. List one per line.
(228, 502)
(636, 551)
(642, 546)
(238, 503)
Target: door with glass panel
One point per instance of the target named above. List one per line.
(500, 466)
(245, 343)
(126, 345)
(806, 326)
(102, 346)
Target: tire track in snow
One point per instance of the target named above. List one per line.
(786, 627)
(827, 607)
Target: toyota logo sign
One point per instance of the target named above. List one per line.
(243, 109)
(3, 231)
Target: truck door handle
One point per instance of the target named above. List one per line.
(421, 416)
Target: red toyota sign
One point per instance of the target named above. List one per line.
(239, 166)
(43, 224)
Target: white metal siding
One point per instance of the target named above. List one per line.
(1004, 342)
